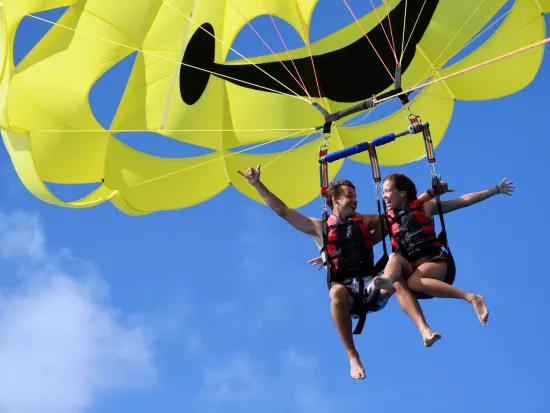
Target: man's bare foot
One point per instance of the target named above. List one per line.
(431, 338)
(357, 370)
(481, 309)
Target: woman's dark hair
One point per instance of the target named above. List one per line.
(403, 183)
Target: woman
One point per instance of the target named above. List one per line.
(419, 256)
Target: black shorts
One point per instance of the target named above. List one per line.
(352, 286)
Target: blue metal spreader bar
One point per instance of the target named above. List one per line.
(362, 147)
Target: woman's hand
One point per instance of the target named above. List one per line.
(505, 187)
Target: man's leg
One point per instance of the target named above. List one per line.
(340, 302)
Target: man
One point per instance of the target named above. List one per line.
(342, 200)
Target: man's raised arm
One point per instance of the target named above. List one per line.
(302, 223)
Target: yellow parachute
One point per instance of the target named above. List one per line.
(187, 90)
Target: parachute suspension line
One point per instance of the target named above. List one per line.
(470, 68)
(403, 32)
(232, 49)
(215, 159)
(473, 39)
(412, 31)
(306, 33)
(433, 65)
(391, 44)
(160, 131)
(270, 49)
(176, 71)
(160, 57)
(288, 150)
(367, 37)
(391, 31)
(287, 51)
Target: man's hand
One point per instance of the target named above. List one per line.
(316, 261)
(252, 175)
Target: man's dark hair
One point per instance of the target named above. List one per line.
(335, 189)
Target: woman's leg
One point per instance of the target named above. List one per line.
(427, 279)
(396, 269)
(409, 304)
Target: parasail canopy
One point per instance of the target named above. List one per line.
(183, 86)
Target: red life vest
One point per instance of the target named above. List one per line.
(350, 245)
(412, 232)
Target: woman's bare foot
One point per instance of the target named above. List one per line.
(431, 338)
(383, 283)
(481, 309)
(357, 370)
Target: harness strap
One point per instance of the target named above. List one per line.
(377, 179)
(363, 311)
(325, 246)
(430, 153)
(443, 234)
(372, 301)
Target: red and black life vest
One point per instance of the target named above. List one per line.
(412, 232)
(349, 245)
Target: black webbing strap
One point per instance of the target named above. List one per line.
(324, 250)
(377, 179)
(362, 313)
(371, 303)
(443, 234)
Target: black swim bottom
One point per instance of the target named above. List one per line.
(449, 276)
(352, 285)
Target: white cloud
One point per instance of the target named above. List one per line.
(240, 381)
(61, 343)
(277, 381)
(290, 383)
(21, 237)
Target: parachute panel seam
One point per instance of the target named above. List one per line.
(118, 29)
(436, 72)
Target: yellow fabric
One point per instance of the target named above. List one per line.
(524, 25)
(52, 136)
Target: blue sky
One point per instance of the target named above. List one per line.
(176, 311)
